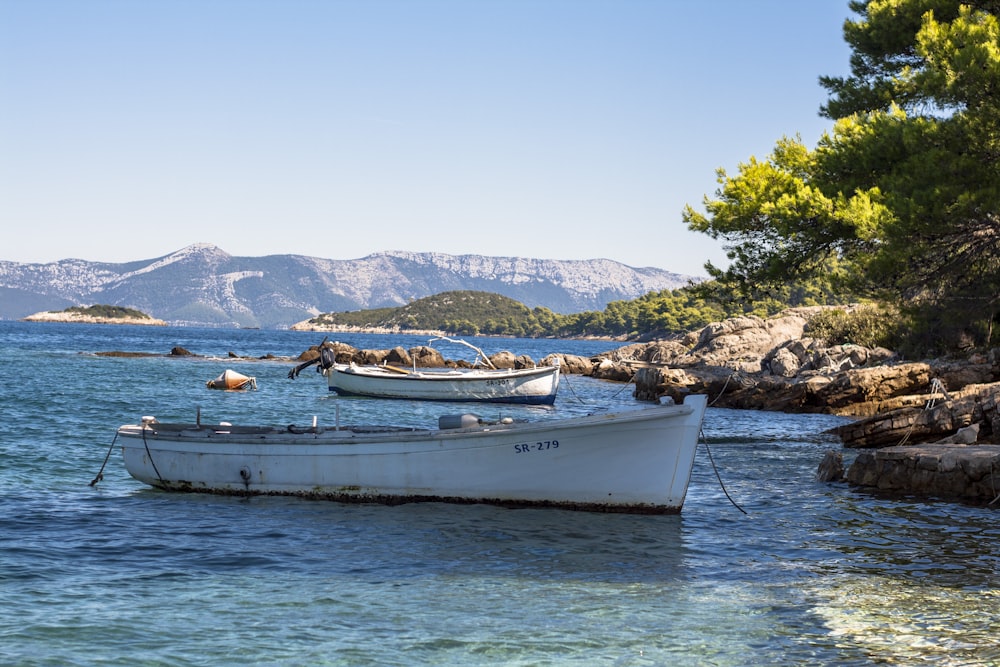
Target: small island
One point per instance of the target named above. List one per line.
(97, 314)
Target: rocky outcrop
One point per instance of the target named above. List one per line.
(570, 363)
(772, 364)
(930, 417)
(740, 344)
(854, 392)
(948, 471)
(751, 363)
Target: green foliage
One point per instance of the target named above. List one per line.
(901, 199)
(779, 227)
(763, 300)
(655, 315)
(867, 325)
(935, 331)
(459, 312)
(109, 312)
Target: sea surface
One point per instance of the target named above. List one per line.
(790, 571)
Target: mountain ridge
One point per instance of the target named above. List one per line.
(203, 285)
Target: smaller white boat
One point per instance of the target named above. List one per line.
(232, 380)
(637, 461)
(528, 386)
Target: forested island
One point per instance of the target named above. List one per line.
(97, 314)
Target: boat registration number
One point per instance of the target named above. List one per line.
(540, 446)
(498, 383)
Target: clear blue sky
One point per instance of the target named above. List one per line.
(557, 129)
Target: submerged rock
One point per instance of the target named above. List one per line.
(831, 468)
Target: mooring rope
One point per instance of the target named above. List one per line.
(100, 473)
(740, 378)
(993, 484)
(149, 454)
(936, 387)
(723, 390)
(565, 380)
(625, 386)
(708, 449)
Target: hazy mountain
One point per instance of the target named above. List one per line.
(204, 285)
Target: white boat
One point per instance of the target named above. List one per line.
(529, 386)
(635, 461)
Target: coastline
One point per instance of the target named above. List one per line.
(307, 325)
(347, 328)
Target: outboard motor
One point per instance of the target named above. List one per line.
(327, 358)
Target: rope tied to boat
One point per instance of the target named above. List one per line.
(100, 473)
(711, 460)
(993, 484)
(150, 454)
(739, 378)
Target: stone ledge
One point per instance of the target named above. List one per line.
(961, 472)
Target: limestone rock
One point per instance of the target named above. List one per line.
(425, 356)
(507, 359)
(785, 363)
(831, 468)
(523, 361)
(935, 418)
(504, 359)
(569, 363)
(943, 470)
(964, 436)
(742, 342)
(609, 370)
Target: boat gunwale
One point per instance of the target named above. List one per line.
(259, 434)
(140, 445)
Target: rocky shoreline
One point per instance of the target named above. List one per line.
(308, 325)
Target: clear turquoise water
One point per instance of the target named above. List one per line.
(120, 574)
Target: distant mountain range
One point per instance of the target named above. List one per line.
(202, 285)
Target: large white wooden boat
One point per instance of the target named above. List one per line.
(482, 383)
(630, 461)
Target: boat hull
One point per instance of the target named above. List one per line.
(530, 386)
(636, 461)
